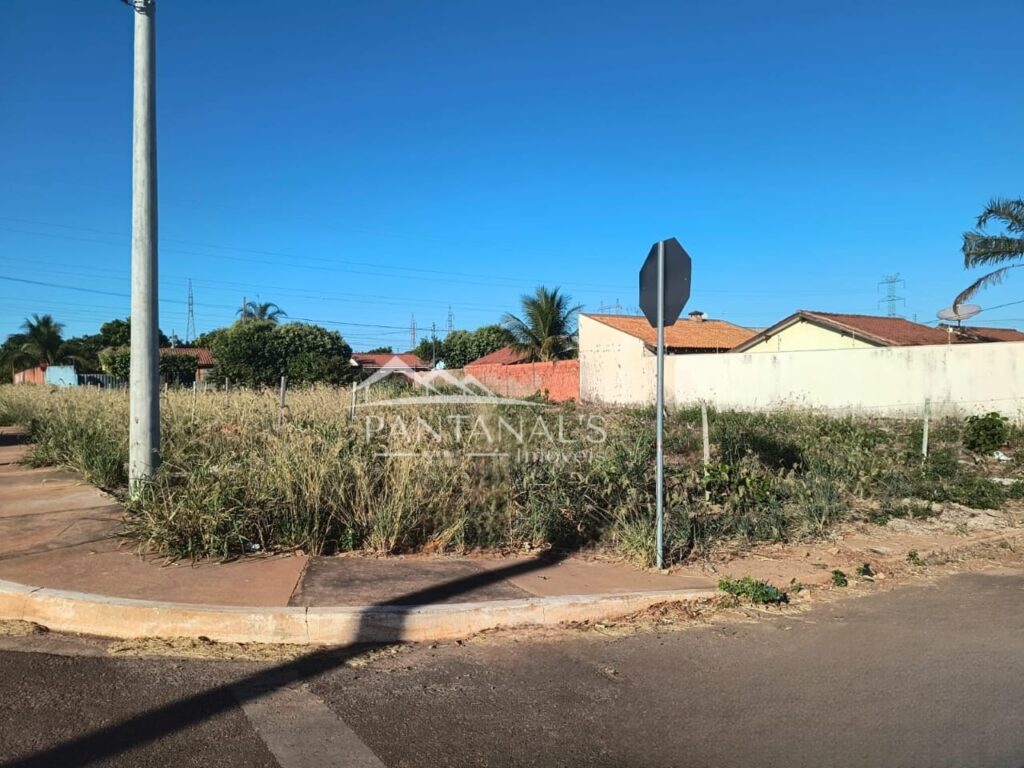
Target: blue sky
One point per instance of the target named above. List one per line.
(363, 162)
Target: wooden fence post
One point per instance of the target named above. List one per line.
(924, 431)
(280, 404)
(704, 431)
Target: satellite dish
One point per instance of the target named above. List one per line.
(963, 312)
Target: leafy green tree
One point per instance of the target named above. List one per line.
(310, 354)
(118, 333)
(206, 340)
(267, 311)
(463, 347)
(547, 327)
(116, 361)
(245, 354)
(84, 350)
(380, 351)
(983, 249)
(258, 353)
(11, 356)
(429, 349)
(174, 369)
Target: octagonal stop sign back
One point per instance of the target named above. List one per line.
(677, 282)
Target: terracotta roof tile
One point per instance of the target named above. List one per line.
(503, 356)
(378, 360)
(873, 329)
(889, 331)
(205, 356)
(685, 333)
(970, 333)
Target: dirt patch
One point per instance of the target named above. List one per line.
(206, 649)
(883, 549)
(18, 628)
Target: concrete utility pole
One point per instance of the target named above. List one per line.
(144, 381)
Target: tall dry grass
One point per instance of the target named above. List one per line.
(239, 476)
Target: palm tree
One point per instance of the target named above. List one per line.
(42, 342)
(982, 248)
(547, 328)
(262, 311)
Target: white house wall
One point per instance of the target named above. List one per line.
(958, 379)
(615, 367)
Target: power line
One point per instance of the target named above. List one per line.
(231, 286)
(173, 301)
(492, 281)
(416, 272)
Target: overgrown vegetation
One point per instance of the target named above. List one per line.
(239, 476)
(985, 434)
(758, 592)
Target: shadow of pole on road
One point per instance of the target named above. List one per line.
(151, 725)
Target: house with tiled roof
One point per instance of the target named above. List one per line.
(805, 330)
(503, 356)
(371, 362)
(616, 352)
(977, 333)
(693, 334)
(203, 356)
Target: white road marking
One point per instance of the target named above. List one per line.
(300, 730)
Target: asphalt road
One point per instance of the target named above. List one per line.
(920, 676)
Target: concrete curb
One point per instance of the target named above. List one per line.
(88, 614)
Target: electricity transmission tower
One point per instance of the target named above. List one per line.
(891, 299)
(144, 378)
(613, 309)
(190, 323)
(451, 322)
(412, 333)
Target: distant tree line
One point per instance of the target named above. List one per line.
(258, 349)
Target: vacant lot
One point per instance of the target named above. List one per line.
(240, 475)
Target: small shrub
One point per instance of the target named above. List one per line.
(904, 509)
(1015, 490)
(977, 492)
(865, 570)
(914, 558)
(839, 579)
(985, 434)
(759, 592)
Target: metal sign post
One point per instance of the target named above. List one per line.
(659, 481)
(664, 290)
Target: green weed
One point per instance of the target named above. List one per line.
(758, 592)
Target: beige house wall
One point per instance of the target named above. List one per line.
(802, 336)
(615, 367)
(958, 379)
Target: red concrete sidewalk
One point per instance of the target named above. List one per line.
(58, 532)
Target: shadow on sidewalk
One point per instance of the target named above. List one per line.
(10, 436)
(151, 725)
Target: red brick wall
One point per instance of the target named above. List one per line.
(30, 376)
(561, 379)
